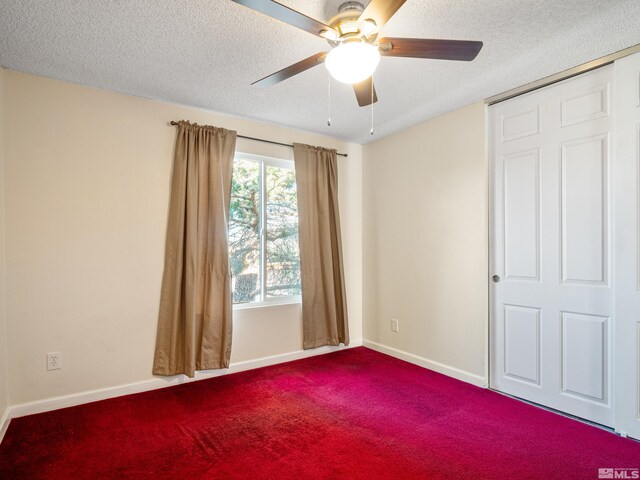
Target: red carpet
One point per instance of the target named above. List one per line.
(354, 414)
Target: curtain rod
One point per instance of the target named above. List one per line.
(268, 141)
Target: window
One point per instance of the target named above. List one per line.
(263, 230)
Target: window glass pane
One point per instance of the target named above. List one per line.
(244, 231)
(283, 257)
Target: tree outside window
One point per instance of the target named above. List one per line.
(263, 230)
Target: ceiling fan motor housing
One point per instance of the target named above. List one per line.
(346, 23)
(351, 6)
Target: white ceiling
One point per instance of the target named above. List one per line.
(206, 53)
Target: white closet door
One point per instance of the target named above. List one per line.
(551, 310)
(627, 248)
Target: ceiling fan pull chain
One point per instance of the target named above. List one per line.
(329, 108)
(371, 132)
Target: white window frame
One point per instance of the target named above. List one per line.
(264, 162)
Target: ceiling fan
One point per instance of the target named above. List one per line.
(353, 34)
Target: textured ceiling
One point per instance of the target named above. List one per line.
(206, 53)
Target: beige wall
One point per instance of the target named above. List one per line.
(425, 231)
(4, 398)
(87, 175)
(87, 178)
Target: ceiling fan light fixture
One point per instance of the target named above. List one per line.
(352, 62)
(368, 27)
(330, 34)
(348, 27)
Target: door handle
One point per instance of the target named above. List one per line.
(496, 278)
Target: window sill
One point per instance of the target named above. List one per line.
(270, 303)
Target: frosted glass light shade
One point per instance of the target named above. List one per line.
(352, 62)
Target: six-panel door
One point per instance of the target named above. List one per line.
(552, 310)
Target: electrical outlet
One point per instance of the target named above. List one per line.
(53, 361)
(394, 325)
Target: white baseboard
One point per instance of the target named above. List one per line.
(80, 398)
(472, 378)
(4, 422)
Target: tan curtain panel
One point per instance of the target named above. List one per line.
(324, 303)
(194, 323)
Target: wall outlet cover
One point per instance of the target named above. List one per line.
(54, 361)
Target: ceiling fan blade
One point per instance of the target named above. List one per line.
(288, 15)
(464, 50)
(363, 92)
(291, 70)
(380, 11)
